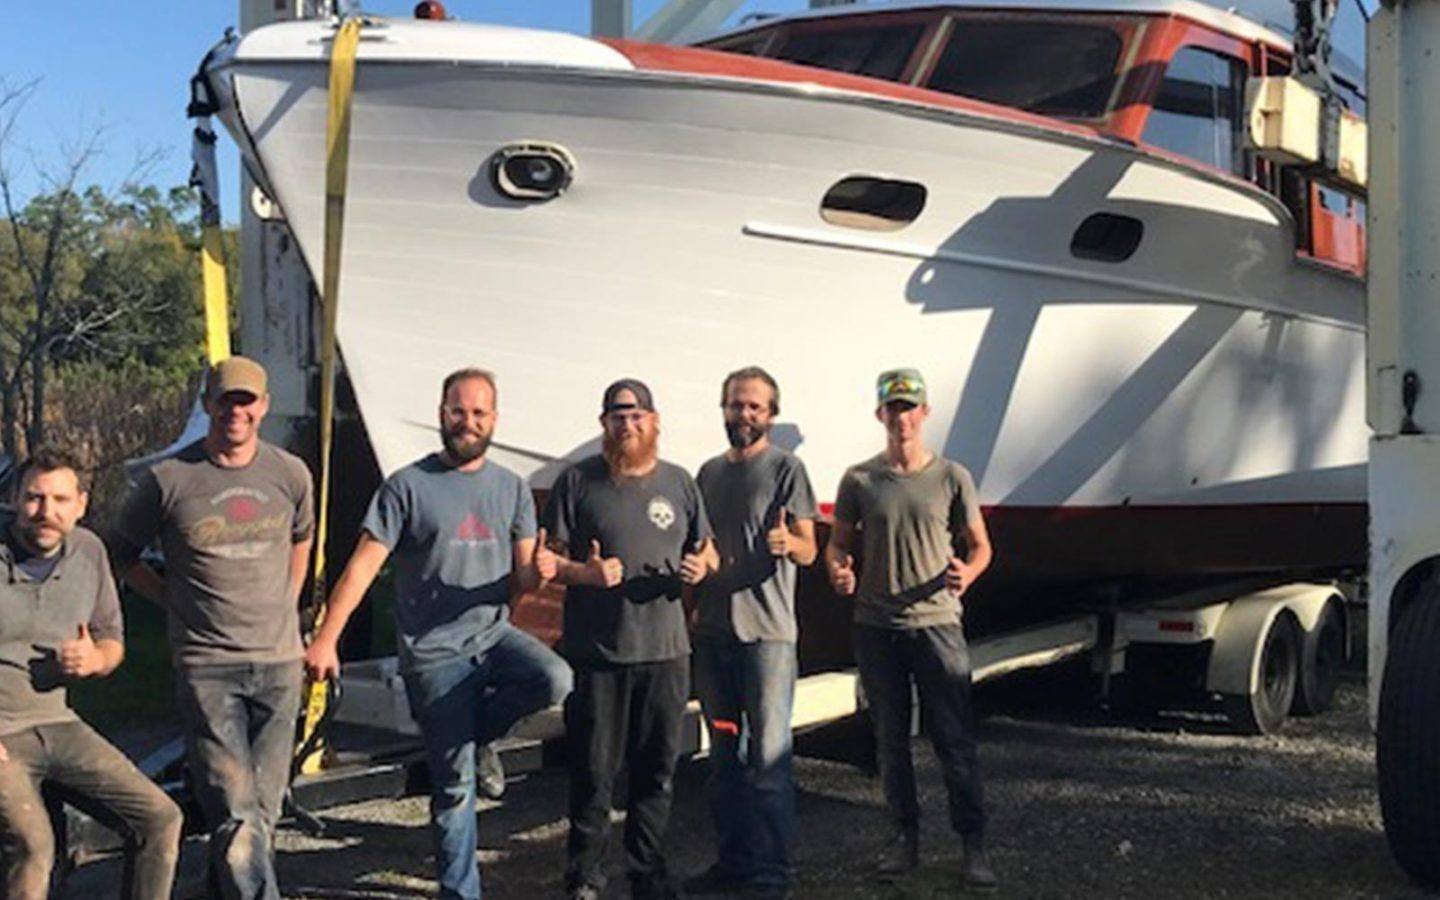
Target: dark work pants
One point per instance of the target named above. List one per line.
(240, 732)
(97, 778)
(618, 715)
(935, 660)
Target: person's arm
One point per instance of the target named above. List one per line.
(700, 563)
(322, 658)
(524, 552)
(84, 657)
(148, 583)
(793, 539)
(839, 558)
(299, 566)
(598, 570)
(962, 573)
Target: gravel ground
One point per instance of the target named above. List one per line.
(1083, 804)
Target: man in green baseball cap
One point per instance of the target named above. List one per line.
(914, 518)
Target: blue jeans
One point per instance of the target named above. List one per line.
(240, 728)
(747, 691)
(468, 702)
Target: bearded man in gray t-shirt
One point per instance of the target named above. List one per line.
(914, 519)
(762, 509)
(461, 528)
(234, 517)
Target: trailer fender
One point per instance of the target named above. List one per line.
(1234, 666)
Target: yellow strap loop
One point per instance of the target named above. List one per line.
(217, 304)
(337, 163)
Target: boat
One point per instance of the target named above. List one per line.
(1145, 343)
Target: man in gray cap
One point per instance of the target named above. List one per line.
(914, 518)
(234, 516)
(634, 533)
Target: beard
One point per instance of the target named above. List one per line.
(462, 446)
(742, 435)
(628, 454)
(42, 536)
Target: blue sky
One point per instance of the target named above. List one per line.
(126, 66)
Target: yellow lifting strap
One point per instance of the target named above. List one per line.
(212, 253)
(337, 164)
(217, 305)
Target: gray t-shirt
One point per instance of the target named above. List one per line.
(649, 523)
(227, 536)
(910, 525)
(752, 597)
(452, 534)
(35, 616)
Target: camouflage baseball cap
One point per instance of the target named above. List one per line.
(900, 384)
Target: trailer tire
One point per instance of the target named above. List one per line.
(1263, 711)
(1322, 656)
(1407, 739)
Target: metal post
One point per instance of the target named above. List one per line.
(610, 18)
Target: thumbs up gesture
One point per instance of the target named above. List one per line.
(693, 565)
(779, 537)
(605, 571)
(80, 658)
(545, 561)
(957, 576)
(842, 576)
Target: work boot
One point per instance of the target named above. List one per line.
(899, 857)
(717, 879)
(975, 872)
(489, 773)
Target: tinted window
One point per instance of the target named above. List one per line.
(1050, 68)
(1198, 110)
(752, 44)
(874, 50)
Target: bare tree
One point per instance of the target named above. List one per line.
(44, 234)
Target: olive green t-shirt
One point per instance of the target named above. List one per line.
(910, 524)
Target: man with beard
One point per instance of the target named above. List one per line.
(763, 512)
(908, 512)
(60, 621)
(462, 529)
(234, 516)
(634, 531)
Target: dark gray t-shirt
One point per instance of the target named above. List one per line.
(910, 525)
(452, 534)
(648, 522)
(227, 535)
(35, 616)
(752, 597)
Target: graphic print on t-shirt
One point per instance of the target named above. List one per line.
(661, 512)
(238, 527)
(472, 531)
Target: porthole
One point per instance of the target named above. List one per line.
(873, 204)
(532, 171)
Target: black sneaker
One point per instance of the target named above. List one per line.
(489, 773)
(714, 880)
(976, 873)
(899, 857)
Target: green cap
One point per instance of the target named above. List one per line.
(900, 384)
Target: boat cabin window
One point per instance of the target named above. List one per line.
(861, 48)
(1043, 67)
(751, 43)
(1199, 109)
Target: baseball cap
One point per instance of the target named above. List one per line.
(643, 399)
(900, 384)
(235, 373)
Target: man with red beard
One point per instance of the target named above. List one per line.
(462, 529)
(634, 531)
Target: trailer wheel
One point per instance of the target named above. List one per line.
(1321, 658)
(1264, 710)
(1407, 739)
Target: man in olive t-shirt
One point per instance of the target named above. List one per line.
(915, 521)
(633, 531)
(234, 517)
(60, 622)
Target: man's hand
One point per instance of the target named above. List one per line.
(322, 660)
(842, 576)
(80, 658)
(546, 563)
(693, 566)
(4, 754)
(957, 576)
(604, 571)
(779, 537)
